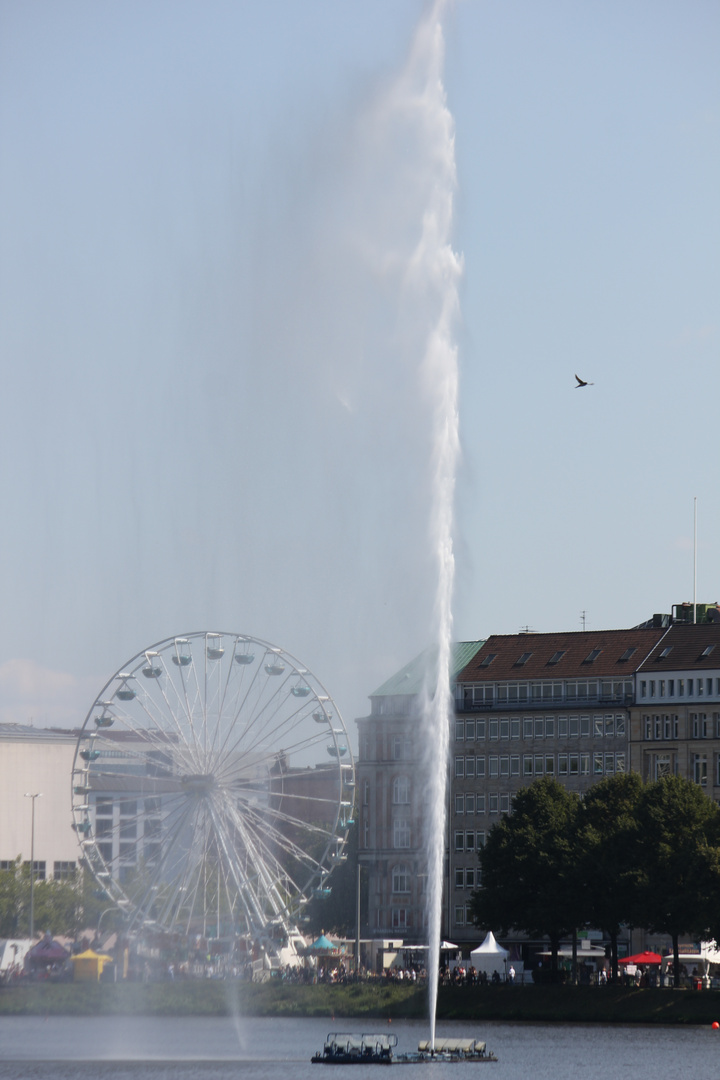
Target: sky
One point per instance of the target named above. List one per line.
(213, 416)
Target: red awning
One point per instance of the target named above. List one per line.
(642, 958)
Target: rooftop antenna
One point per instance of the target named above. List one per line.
(694, 559)
(582, 618)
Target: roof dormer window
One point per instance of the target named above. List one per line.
(556, 656)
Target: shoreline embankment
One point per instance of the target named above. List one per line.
(364, 1002)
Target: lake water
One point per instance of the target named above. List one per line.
(199, 1048)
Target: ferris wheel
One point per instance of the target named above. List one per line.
(213, 787)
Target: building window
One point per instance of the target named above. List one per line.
(620, 763)
(598, 727)
(401, 878)
(515, 729)
(469, 731)
(479, 804)
(470, 768)
(643, 688)
(400, 920)
(401, 790)
(459, 730)
(401, 833)
(459, 879)
(514, 764)
(480, 837)
(573, 726)
(480, 767)
(527, 728)
(493, 726)
(401, 748)
(492, 767)
(584, 764)
(597, 764)
(469, 804)
(671, 688)
(480, 729)
(106, 853)
(562, 727)
(459, 804)
(562, 764)
(470, 879)
(459, 841)
(667, 727)
(609, 764)
(504, 804)
(469, 841)
(460, 915)
(690, 690)
(657, 726)
(459, 768)
(539, 760)
(647, 722)
(573, 764)
(366, 793)
(539, 727)
(493, 804)
(663, 766)
(527, 765)
(700, 769)
(585, 727)
(64, 871)
(549, 765)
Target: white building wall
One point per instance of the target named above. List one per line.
(37, 763)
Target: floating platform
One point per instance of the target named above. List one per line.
(342, 1048)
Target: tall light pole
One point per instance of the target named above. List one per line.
(28, 795)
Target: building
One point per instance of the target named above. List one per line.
(576, 706)
(37, 761)
(675, 720)
(390, 798)
(528, 706)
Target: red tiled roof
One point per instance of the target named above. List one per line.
(574, 663)
(686, 643)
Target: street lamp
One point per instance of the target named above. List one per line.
(28, 795)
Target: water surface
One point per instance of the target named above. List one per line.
(200, 1048)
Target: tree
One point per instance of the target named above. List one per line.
(529, 867)
(680, 860)
(61, 906)
(609, 857)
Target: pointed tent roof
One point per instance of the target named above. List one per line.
(489, 947)
(323, 944)
(47, 951)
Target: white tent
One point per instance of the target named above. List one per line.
(489, 956)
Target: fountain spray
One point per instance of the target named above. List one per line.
(435, 268)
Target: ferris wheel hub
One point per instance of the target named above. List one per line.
(198, 783)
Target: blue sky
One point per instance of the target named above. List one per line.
(209, 421)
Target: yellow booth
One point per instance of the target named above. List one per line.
(89, 965)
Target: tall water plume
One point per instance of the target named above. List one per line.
(435, 269)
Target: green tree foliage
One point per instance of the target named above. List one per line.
(679, 834)
(610, 856)
(529, 867)
(60, 906)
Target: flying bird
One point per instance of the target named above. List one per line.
(581, 382)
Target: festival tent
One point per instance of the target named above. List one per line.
(322, 947)
(48, 954)
(642, 958)
(89, 965)
(489, 957)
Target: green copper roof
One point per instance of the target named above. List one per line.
(410, 679)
